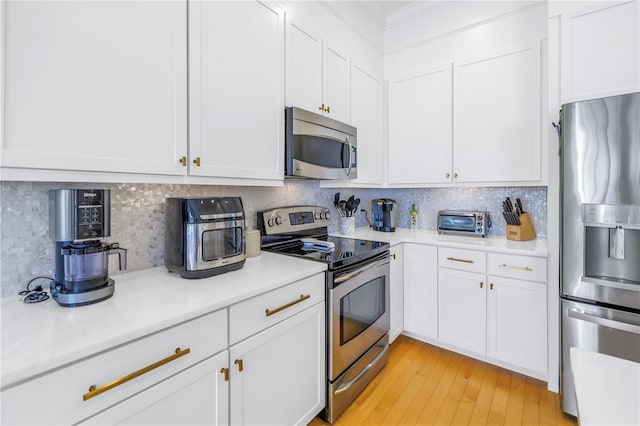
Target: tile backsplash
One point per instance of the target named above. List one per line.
(137, 216)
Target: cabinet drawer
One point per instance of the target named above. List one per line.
(461, 259)
(518, 267)
(256, 314)
(197, 340)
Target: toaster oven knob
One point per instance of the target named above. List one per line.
(317, 216)
(271, 222)
(278, 220)
(327, 215)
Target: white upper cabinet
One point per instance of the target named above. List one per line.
(420, 128)
(95, 86)
(481, 126)
(236, 103)
(600, 50)
(367, 115)
(318, 75)
(496, 118)
(303, 67)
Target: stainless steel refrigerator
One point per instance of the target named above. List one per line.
(600, 272)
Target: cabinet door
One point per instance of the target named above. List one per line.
(497, 118)
(95, 86)
(236, 90)
(304, 67)
(600, 45)
(367, 116)
(420, 128)
(462, 309)
(336, 68)
(517, 323)
(196, 396)
(421, 290)
(396, 293)
(278, 375)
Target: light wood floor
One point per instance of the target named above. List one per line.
(426, 385)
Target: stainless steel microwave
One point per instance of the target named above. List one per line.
(319, 147)
(463, 222)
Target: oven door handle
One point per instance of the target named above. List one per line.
(355, 273)
(345, 386)
(605, 322)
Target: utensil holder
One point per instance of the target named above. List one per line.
(522, 232)
(347, 225)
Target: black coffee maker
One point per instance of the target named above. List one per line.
(384, 214)
(80, 219)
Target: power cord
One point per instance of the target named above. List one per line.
(37, 294)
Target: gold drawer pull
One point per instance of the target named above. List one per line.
(95, 391)
(455, 259)
(519, 268)
(302, 297)
(240, 364)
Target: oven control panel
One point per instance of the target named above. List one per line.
(290, 219)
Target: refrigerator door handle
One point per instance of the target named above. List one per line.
(609, 283)
(605, 322)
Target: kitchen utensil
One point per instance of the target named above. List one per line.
(519, 205)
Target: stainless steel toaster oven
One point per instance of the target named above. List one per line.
(459, 222)
(204, 236)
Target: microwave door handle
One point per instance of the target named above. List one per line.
(348, 172)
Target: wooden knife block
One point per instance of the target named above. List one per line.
(523, 232)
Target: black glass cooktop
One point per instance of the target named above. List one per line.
(346, 251)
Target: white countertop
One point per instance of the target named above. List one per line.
(43, 336)
(499, 244)
(607, 388)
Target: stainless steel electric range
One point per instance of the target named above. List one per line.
(357, 298)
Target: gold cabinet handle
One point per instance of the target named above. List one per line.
(393, 256)
(321, 107)
(239, 363)
(455, 176)
(519, 268)
(328, 109)
(183, 161)
(481, 284)
(225, 372)
(455, 259)
(448, 175)
(95, 391)
(268, 312)
(490, 286)
(196, 161)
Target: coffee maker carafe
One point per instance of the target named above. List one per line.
(384, 212)
(81, 218)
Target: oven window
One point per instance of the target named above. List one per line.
(221, 243)
(361, 308)
(458, 223)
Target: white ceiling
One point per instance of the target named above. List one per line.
(382, 10)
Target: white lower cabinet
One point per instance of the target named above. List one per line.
(272, 374)
(396, 293)
(517, 322)
(198, 395)
(492, 306)
(462, 309)
(277, 375)
(135, 382)
(420, 264)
